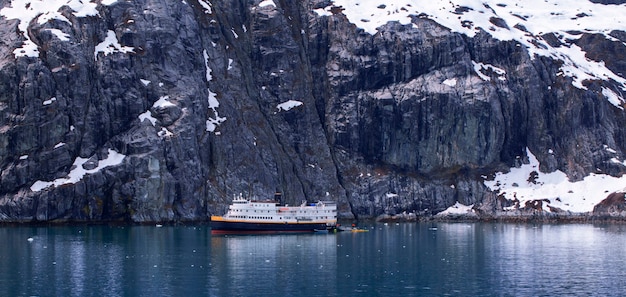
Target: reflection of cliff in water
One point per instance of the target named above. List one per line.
(278, 265)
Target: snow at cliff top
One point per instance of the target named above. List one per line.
(42, 11)
(522, 21)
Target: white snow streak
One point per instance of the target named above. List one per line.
(213, 103)
(59, 34)
(164, 101)
(213, 122)
(78, 172)
(50, 101)
(147, 116)
(288, 105)
(457, 209)
(613, 98)
(111, 45)
(265, 3)
(206, 5)
(482, 70)
(450, 82)
(209, 77)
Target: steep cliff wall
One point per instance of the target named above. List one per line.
(163, 110)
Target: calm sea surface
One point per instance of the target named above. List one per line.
(408, 259)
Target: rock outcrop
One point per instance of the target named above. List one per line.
(148, 110)
(613, 207)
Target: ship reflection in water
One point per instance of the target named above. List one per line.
(273, 265)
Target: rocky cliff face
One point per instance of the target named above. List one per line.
(156, 110)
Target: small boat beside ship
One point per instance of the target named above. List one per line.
(353, 229)
(269, 216)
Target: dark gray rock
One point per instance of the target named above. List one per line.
(376, 129)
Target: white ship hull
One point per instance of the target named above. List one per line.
(268, 216)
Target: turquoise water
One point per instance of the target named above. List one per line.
(423, 259)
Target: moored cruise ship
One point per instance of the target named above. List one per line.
(269, 216)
